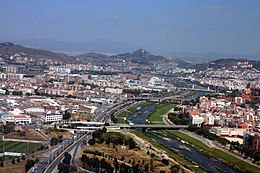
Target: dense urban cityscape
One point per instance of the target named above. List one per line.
(51, 107)
(130, 86)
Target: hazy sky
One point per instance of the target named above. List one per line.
(227, 26)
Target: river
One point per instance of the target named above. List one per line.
(140, 116)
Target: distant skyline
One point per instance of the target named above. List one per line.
(159, 25)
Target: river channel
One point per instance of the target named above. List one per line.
(140, 116)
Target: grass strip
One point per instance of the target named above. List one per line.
(19, 147)
(216, 153)
(156, 116)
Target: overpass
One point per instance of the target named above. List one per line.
(160, 99)
(196, 89)
(127, 126)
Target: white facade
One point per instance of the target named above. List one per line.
(228, 131)
(211, 119)
(11, 75)
(35, 110)
(197, 119)
(60, 69)
(52, 117)
(114, 90)
(18, 119)
(2, 91)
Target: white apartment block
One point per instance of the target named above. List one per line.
(17, 119)
(51, 117)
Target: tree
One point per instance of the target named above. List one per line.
(97, 134)
(63, 168)
(165, 161)
(131, 144)
(54, 141)
(29, 164)
(28, 94)
(66, 115)
(7, 92)
(60, 139)
(116, 165)
(175, 168)
(67, 158)
(92, 141)
(22, 133)
(17, 93)
(2, 162)
(104, 130)
(146, 168)
(256, 156)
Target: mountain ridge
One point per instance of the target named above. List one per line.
(139, 56)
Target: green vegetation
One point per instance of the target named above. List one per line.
(179, 119)
(65, 166)
(210, 94)
(67, 115)
(17, 93)
(19, 147)
(170, 152)
(115, 138)
(55, 141)
(199, 87)
(156, 116)
(190, 93)
(213, 152)
(8, 128)
(96, 165)
(29, 164)
(206, 133)
(121, 117)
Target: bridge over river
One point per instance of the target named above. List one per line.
(86, 126)
(149, 126)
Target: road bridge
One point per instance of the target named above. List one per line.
(160, 99)
(149, 126)
(127, 126)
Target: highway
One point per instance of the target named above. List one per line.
(104, 115)
(53, 165)
(50, 155)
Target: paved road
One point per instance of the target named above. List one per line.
(43, 135)
(48, 156)
(105, 114)
(53, 165)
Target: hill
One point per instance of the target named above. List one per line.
(93, 58)
(228, 63)
(139, 56)
(8, 49)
